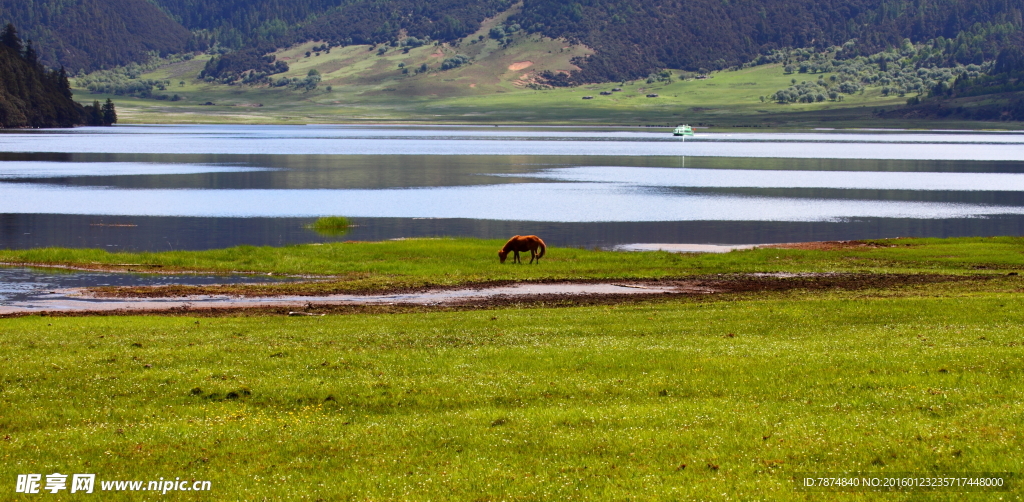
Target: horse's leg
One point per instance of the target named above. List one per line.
(516, 259)
(533, 254)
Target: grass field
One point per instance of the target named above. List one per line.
(725, 100)
(354, 266)
(723, 397)
(666, 401)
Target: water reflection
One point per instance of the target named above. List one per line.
(353, 140)
(563, 202)
(215, 186)
(147, 233)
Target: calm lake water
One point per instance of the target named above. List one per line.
(198, 187)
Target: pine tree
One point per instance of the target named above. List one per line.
(10, 38)
(63, 83)
(94, 114)
(30, 54)
(109, 113)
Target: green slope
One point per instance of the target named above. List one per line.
(365, 88)
(630, 39)
(502, 81)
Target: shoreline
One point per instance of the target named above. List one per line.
(83, 301)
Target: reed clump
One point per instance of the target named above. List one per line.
(331, 225)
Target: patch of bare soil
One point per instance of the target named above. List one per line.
(730, 283)
(520, 65)
(527, 79)
(742, 283)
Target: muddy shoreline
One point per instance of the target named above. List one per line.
(491, 295)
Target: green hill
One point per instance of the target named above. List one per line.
(502, 75)
(372, 54)
(496, 84)
(629, 39)
(632, 39)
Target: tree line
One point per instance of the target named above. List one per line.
(997, 93)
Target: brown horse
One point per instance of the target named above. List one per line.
(523, 243)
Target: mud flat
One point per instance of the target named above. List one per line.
(82, 301)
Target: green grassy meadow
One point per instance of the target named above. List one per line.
(354, 266)
(720, 397)
(666, 401)
(727, 99)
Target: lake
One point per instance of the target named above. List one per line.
(199, 187)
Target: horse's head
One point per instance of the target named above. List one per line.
(502, 255)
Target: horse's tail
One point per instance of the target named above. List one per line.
(543, 248)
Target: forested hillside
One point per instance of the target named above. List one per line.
(370, 22)
(234, 24)
(93, 34)
(631, 38)
(994, 94)
(240, 23)
(31, 96)
(362, 22)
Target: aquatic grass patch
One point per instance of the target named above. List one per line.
(331, 225)
(657, 401)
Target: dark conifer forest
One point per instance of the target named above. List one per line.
(32, 96)
(94, 34)
(632, 38)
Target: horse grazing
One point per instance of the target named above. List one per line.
(523, 243)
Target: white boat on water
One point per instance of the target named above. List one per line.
(683, 130)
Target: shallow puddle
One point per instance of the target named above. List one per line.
(24, 287)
